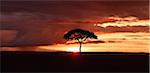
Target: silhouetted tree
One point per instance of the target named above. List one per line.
(80, 35)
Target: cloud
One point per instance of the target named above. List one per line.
(27, 48)
(80, 10)
(35, 29)
(125, 29)
(86, 42)
(125, 21)
(45, 22)
(7, 37)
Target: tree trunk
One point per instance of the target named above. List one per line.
(80, 47)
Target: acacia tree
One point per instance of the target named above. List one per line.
(80, 35)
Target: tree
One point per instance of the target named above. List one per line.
(80, 35)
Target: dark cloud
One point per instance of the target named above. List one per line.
(124, 29)
(26, 48)
(33, 29)
(34, 21)
(80, 9)
(7, 37)
(88, 42)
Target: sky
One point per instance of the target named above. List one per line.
(28, 23)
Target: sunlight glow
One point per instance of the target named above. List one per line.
(114, 42)
(73, 49)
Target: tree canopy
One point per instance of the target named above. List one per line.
(79, 34)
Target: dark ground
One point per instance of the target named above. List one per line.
(70, 62)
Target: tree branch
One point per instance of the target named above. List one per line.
(79, 41)
(85, 39)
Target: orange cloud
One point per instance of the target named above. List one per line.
(126, 21)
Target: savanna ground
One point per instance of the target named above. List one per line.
(74, 62)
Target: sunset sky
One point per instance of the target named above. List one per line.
(123, 25)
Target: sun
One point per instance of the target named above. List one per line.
(73, 49)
